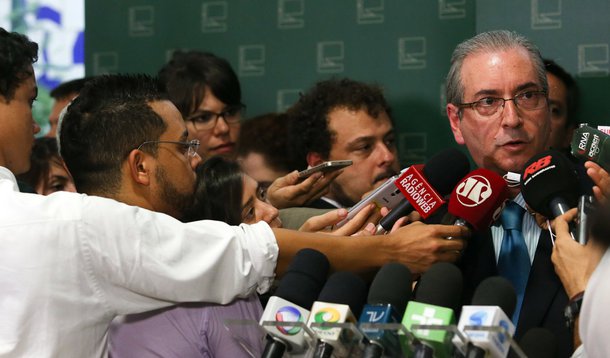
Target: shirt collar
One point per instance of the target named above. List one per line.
(6, 174)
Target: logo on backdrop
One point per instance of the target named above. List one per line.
(411, 53)
(214, 15)
(251, 60)
(370, 12)
(546, 14)
(593, 60)
(290, 14)
(330, 56)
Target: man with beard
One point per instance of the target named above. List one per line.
(341, 119)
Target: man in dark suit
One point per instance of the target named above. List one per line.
(497, 104)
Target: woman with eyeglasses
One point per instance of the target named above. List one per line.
(206, 91)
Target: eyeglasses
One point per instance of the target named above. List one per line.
(206, 120)
(488, 106)
(190, 148)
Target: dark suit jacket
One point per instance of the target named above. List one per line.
(545, 298)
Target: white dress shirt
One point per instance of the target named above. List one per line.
(69, 263)
(595, 313)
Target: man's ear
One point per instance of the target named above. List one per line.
(139, 165)
(313, 159)
(453, 112)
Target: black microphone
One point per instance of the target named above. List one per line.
(537, 342)
(493, 303)
(388, 297)
(440, 174)
(437, 296)
(295, 294)
(549, 184)
(341, 298)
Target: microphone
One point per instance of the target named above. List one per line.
(591, 144)
(437, 295)
(538, 342)
(493, 303)
(425, 188)
(298, 288)
(341, 298)
(549, 184)
(478, 199)
(388, 296)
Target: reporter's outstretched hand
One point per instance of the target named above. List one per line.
(419, 245)
(363, 223)
(287, 191)
(574, 263)
(601, 179)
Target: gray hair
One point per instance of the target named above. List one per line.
(488, 42)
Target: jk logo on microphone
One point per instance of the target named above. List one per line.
(473, 191)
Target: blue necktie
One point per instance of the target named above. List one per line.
(514, 261)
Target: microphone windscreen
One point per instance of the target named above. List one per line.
(539, 342)
(345, 288)
(444, 169)
(441, 286)
(391, 285)
(496, 291)
(479, 198)
(304, 278)
(548, 176)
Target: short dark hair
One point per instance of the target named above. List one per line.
(309, 116)
(572, 92)
(68, 88)
(218, 193)
(267, 135)
(187, 74)
(17, 54)
(43, 152)
(111, 117)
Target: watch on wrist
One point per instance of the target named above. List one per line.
(572, 310)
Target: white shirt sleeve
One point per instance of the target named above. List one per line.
(138, 258)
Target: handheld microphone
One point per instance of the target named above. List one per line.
(437, 295)
(549, 184)
(478, 199)
(493, 303)
(388, 296)
(591, 144)
(298, 289)
(341, 298)
(538, 342)
(425, 188)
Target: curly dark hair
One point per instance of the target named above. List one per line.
(267, 135)
(111, 117)
(308, 129)
(187, 74)
(17, 54)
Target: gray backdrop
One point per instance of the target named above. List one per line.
(281, 47)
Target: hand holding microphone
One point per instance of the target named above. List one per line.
(424, 188)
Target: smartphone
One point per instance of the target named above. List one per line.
(586, 206)
(387, 194)
(325, 167)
